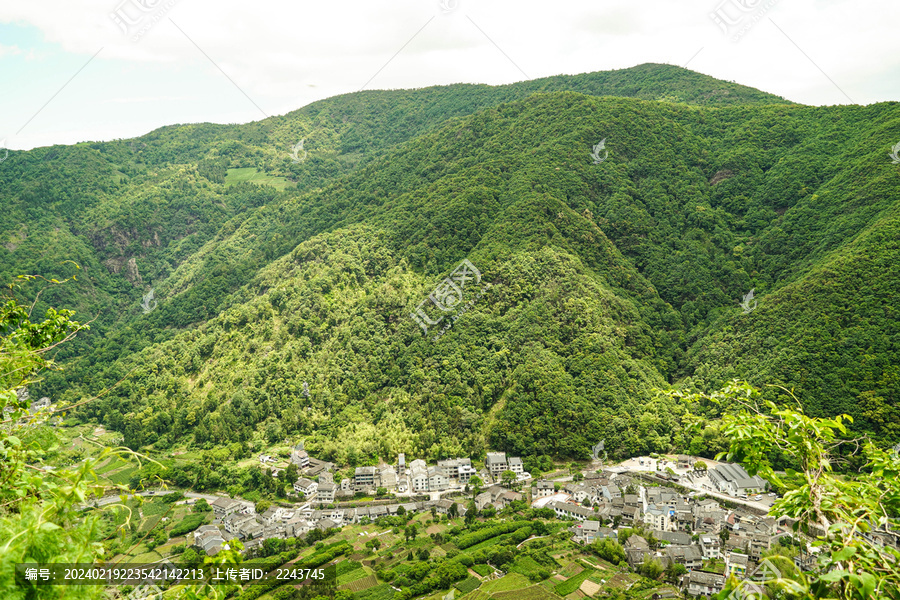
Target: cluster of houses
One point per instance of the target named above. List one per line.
(34, 406)
(689, 530)
(239, 519)
(416, 477)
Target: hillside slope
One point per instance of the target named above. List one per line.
(606, 280)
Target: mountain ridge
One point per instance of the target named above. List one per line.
(610, 280)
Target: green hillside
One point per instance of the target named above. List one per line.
(607, 281)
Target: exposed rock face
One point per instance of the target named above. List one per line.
(131, 272)
(721, 176)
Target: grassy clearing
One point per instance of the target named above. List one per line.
(251, 175)
(482, 570)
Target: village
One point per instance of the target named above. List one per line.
(730, 533)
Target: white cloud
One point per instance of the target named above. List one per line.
(284, 55)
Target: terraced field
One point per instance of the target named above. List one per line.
(534, 592)
(363, 583)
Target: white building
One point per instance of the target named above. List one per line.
(325, 493)
(307, 487)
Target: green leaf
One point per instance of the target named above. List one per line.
(835, 575)
(844, 553)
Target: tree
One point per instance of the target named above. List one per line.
(401, 511)
(382, 491)
(40, 514)
(453, 511)
(724, 535)
(291, 473)
(674, 572)
(851, 566)
(507, 478)
(202, 506)
(471, 512)
(411, 532)
(190, 558)
(262, 506)
(476, 482)
(700, 466)
(651, 569)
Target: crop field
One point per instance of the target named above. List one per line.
(534, 592)
(527, 566)
(351, 576)
(362, 584)
(512, 581)
(251, 175)
(468, 584)
(382, 591)
(572, 583)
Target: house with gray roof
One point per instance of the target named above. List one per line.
(703, 583)
(732, 479)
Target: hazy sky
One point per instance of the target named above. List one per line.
(77, 70)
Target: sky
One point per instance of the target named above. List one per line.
(94, 70)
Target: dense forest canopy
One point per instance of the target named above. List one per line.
(284, 289)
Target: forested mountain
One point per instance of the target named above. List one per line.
(285, 286)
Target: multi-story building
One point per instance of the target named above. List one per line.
(364, 478)
(325, 493)
(496, 463)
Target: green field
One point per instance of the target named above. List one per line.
(535, 592)
(251, 175)
(363, 583)
(482, 570)
(382, 591)
(527, 566)
(468, 584)
(351, 576)
(572, 583)
(512, 581)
